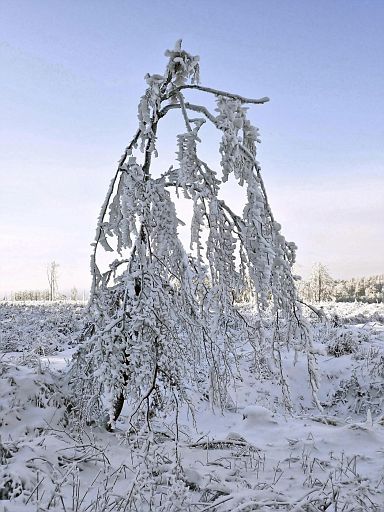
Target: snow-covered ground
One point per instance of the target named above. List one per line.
(252, 456)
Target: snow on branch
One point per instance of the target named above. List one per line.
(217, 92)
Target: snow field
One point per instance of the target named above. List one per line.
(251, 456)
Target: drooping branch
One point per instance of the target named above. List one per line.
(184, 111)
(99, 229)
(113, 182)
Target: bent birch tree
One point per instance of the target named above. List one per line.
(165, 323)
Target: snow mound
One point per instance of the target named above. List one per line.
(257, 415)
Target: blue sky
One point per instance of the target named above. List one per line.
(71, 74)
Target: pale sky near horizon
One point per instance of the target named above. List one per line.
(71, 75)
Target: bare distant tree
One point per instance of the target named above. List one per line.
(52, 274)
(74, 293)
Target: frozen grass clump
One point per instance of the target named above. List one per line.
(343, 340)
(31, 406)
(10, 484)
(358, 387)
(42, 327)
(29, 401)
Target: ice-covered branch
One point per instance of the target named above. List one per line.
(189, 106)
(217, 92)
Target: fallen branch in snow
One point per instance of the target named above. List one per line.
(223, 444)
(327, 421)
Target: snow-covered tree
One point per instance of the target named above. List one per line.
(164, 322)
(52, 275)
(320, 283)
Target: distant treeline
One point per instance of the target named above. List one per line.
(363, 289)
(319, 287)
(30, 295)
(322, 287)
(42, 295)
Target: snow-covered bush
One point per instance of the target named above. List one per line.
(359, 386)
(22, 389)
(31, 403)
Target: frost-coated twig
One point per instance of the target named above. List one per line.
(320, 313)
(147, 394)
(190, 106)
(216, 504)
(35, 489)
